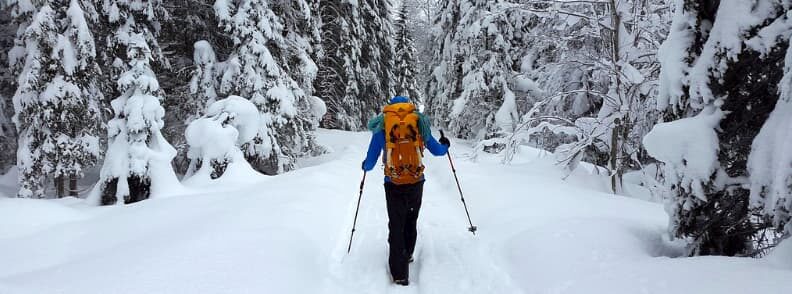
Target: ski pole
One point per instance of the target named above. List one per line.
(354, 223)
(472, 228)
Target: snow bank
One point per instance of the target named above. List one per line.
(781, 256)
(21, 216)
(288, 234)
(688, 147)
(10, 178)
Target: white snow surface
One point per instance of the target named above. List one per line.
(289, 233)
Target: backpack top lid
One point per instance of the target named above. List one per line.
(400, 109)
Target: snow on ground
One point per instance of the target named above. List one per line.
(289, 233)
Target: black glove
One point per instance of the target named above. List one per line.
(443, 140)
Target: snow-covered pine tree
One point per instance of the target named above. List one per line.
(770, 160)
(355, 75)
(297, 58)
(258, 68)
(138, 159)
(119, 20)
(336, 82)
(7, 87)
(378, 51)
(20, 12)
(56, 102)
(406, 67)
(721, 67)
(478, 84)
(188, 22)
(204, 79)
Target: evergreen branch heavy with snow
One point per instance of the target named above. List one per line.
(722, 65)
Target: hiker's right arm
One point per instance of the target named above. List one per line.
(374, 150)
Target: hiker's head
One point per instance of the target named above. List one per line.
(398, 99)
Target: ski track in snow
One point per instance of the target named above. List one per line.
(448, 258)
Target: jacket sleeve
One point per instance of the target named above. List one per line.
(374, 150)
(435, 147)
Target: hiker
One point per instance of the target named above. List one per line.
(401, 132)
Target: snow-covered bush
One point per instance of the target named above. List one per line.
(138, 161)
(585, 84)
(215, 138)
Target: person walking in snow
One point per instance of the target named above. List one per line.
(402, 133)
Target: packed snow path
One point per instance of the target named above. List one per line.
(289, 233)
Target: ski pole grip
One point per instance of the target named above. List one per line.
(442, 134)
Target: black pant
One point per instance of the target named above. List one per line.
(404, 202)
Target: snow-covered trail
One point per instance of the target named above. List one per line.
(289, 233)
(448, 258)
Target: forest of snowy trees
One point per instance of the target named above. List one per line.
(693, 96)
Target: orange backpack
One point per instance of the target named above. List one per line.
(403, 144)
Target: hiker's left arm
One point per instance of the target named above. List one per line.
(435, 147)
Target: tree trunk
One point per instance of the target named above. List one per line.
(60, 187)
(614, 164)
(73, 185)
(618, 127)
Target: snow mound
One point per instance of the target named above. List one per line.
(215, 139)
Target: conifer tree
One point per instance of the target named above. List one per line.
(119, 20)
(406, 67)
(259, 68)
(7, 87)
(56, 102)
(478, 68)
(356, 67)
(138, 161)
(726, 75)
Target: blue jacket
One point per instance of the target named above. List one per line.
(377, 143)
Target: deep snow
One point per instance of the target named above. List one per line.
(288, 234)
